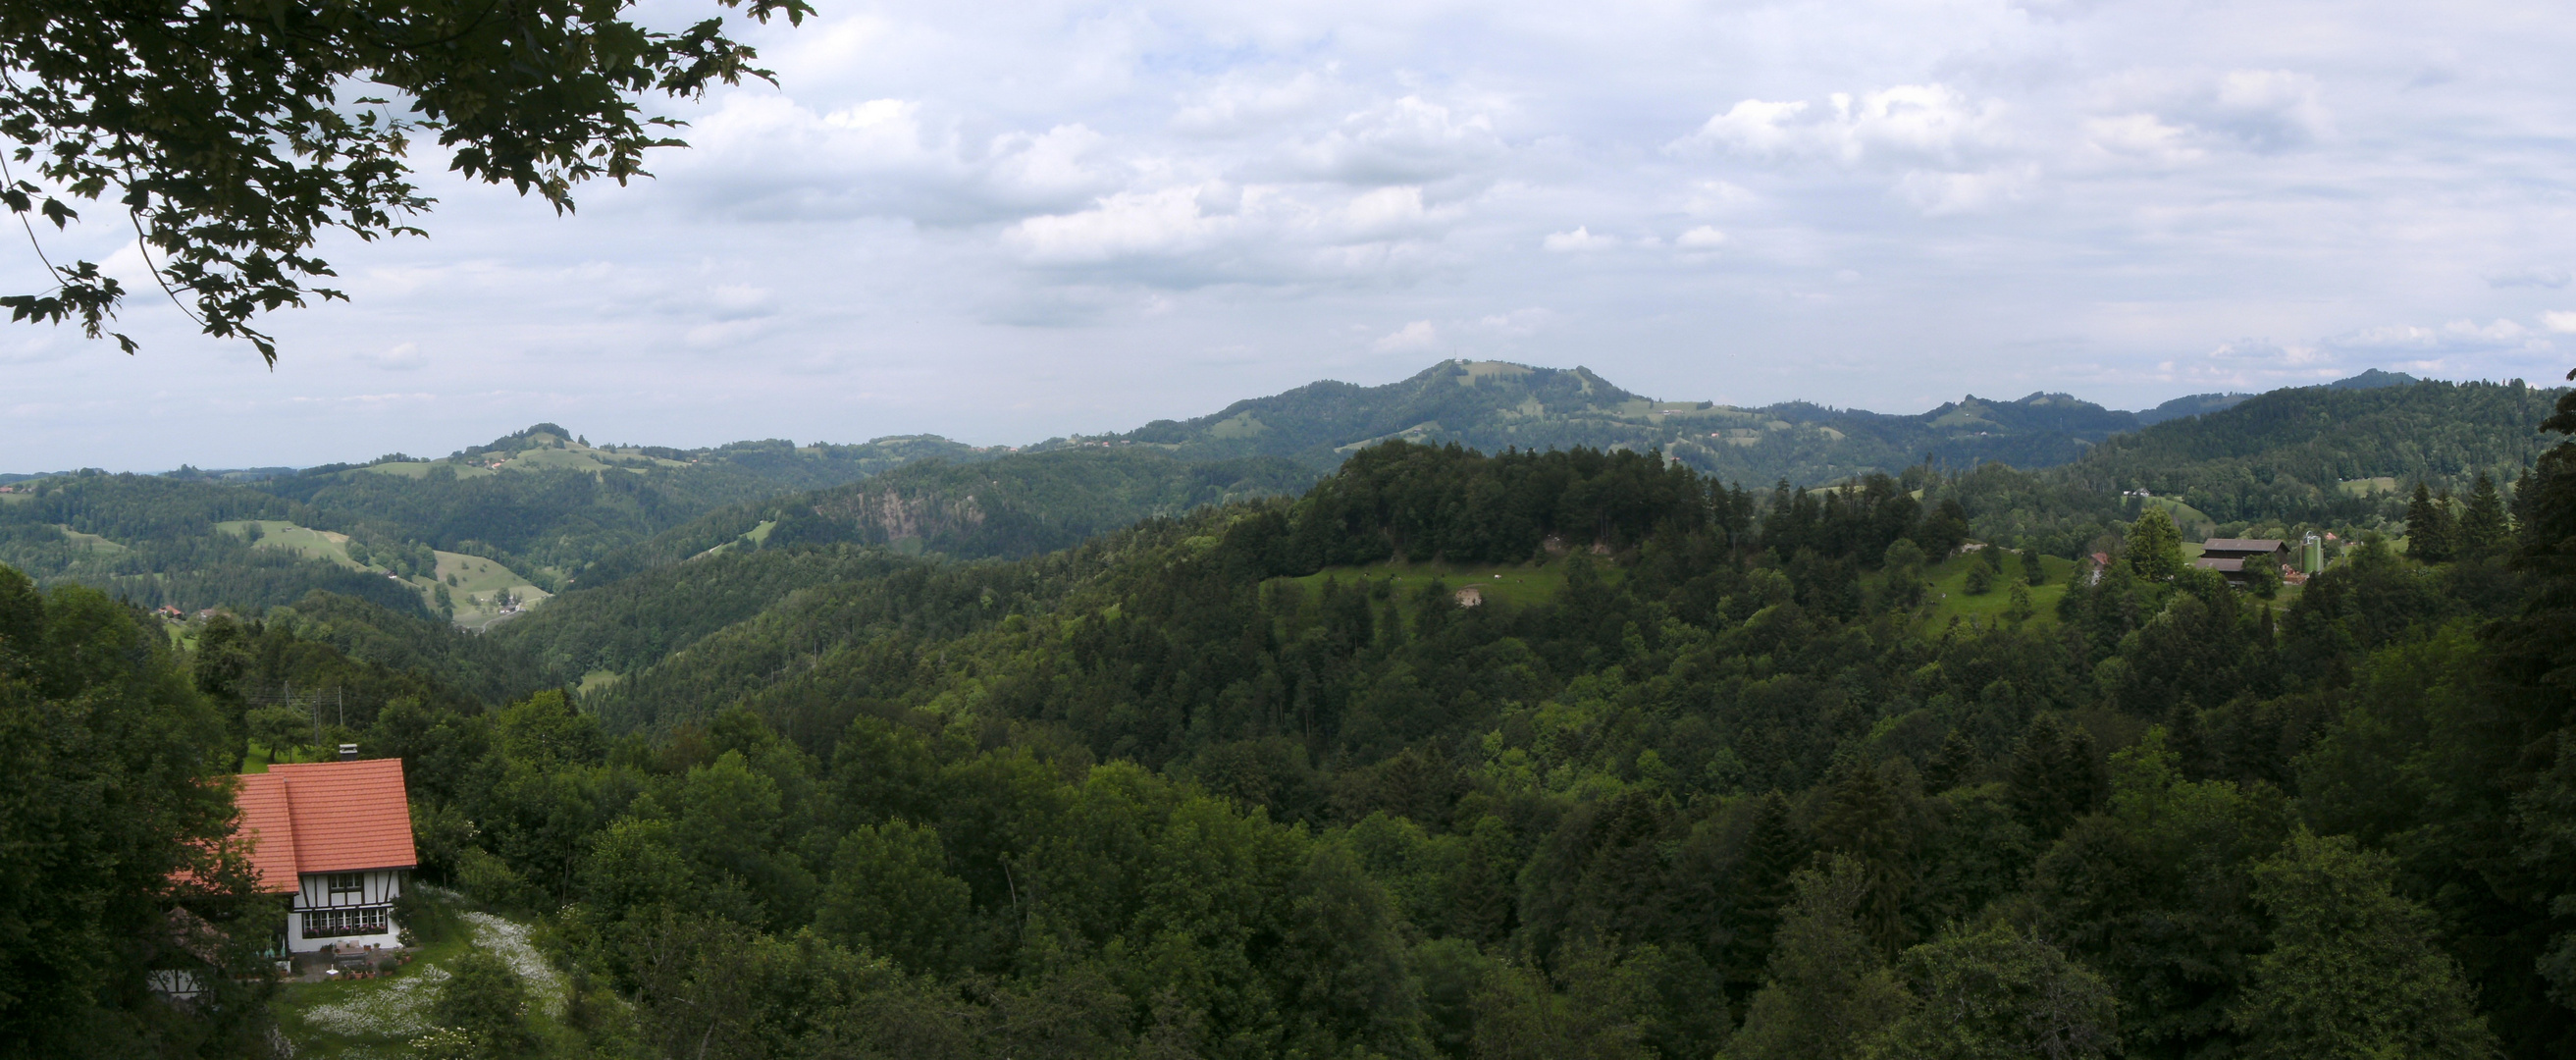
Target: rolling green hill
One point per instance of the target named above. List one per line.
(1493, 406)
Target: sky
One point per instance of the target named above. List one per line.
(1003, 222)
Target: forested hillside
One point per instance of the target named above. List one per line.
(1494, 406)
(2291, 453)
(1695, 772)
(542, 501)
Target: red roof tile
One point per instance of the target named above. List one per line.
(326, 817)
(269, 824)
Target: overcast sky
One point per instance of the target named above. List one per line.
(1007, 221)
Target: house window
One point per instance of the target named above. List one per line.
(341, 883)
(324, 923)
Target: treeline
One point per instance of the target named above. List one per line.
(160, 545)
(2283, 454)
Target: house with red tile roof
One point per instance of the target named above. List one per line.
(337, 836)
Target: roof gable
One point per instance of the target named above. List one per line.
(2242, 544)
(326, 817)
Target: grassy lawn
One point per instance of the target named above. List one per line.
(379, 1017)
(1949, 597)
(1502, 583)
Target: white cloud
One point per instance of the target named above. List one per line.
(1918, 123)
(1244, 103)
(948, 209)
(1409, 140)
(401, 357)
(2141, 137)
(1936, 193)
(1127, 224)
(2458, 336)
(1416, 337)
(1580, 240)
(2549, 278)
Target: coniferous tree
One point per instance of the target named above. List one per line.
(1759, 886)
(1829, 991)
(2032, 571)
(1953, 765)
(2053, 778)
(2484, 531)
(2189, 744)
(1870, 816)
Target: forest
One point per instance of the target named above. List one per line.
(1261, 779)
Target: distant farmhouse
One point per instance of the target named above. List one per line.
(2231, 557)
(337, 836)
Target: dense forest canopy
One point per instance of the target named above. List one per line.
(1694, 770)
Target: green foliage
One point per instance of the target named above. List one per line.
(229, 137)
(2155, 894)
(1185, 789)
(2431, 528)
(2154, 549)
(2352, 970)
(891, 893)
(113, 813)
(481, 1012)
(2282, 455)
(1992, 993)
(1830, 991)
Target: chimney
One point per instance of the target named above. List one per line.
(348, 752)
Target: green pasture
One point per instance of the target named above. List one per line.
(1948, 597)
(416, 469)
(541, 456)
(92, 542)
(1516, 584)
(303, 541)
(2192, 521)
(2367, 487)
(478, 583)
(759, 535)
(479, 580)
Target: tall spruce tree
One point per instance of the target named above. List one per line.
(2053, 778)
(2484, 530)
(1759, 886)
(1830, 992)
(2428, 532)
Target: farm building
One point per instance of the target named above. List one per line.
(2231, 556)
